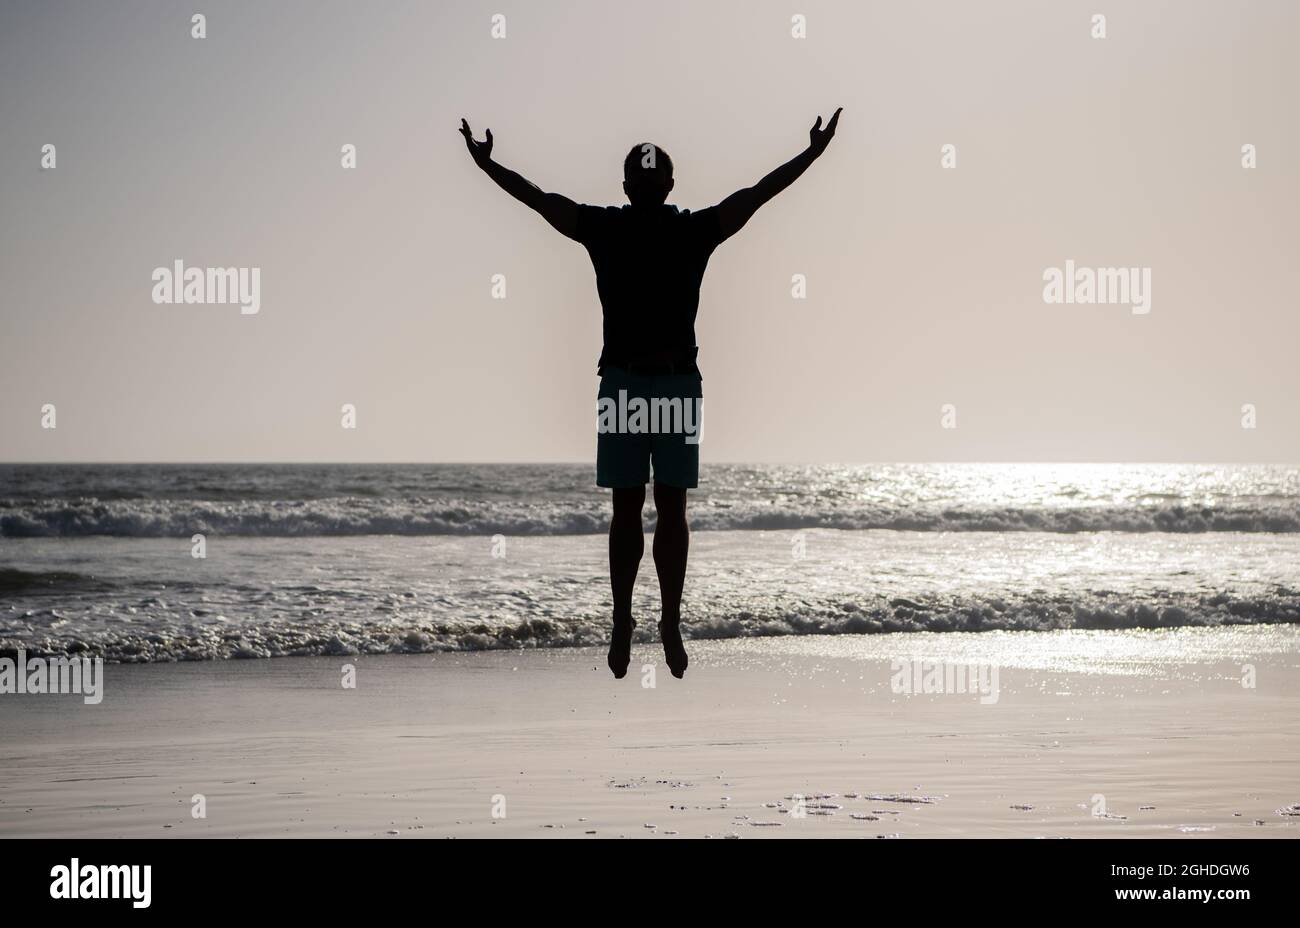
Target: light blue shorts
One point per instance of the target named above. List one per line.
(663, 429)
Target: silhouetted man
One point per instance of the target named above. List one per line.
(649, 259)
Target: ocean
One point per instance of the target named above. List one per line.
(307, 559)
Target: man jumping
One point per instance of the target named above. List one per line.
(649, 259)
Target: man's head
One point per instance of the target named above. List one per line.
(647, 175)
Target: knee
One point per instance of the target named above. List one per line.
(670, 507)
(628, 504)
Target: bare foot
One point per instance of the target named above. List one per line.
(620, 647)
(670, 633)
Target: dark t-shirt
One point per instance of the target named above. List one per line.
(649, 264)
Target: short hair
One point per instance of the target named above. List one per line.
(632, 163)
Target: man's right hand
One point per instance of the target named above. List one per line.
(481, 152)
(559, 211)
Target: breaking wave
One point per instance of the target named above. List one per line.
(369, 516)
(216, 637)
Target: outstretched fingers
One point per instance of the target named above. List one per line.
(821, 137)
(479, 150)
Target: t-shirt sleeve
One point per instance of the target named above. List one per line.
(707, 227)
(592, 223)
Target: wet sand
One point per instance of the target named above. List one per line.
(1087, 737)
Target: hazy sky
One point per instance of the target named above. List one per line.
(924, 284)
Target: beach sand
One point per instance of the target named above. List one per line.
(1154, 729)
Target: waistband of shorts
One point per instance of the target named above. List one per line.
(682, 363)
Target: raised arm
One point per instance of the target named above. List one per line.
(735, 210)
(559, 211)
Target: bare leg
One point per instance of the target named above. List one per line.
(626, 545)
(671, 545)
